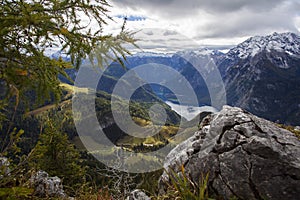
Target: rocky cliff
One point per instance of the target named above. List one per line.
(245, 156)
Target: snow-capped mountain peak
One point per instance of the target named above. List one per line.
(199, 52)
(280, 42)
(194, 52)
(151, 54)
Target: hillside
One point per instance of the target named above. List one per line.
(138, 111)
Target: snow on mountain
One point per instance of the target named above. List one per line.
(195, 52)
(151, 54)
(51, 51)
(288, 43)
(262, 76)
(199, 52)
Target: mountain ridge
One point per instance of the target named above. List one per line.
(287, 42)
(265, 80)
(260, 74)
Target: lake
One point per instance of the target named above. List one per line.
(190, 112)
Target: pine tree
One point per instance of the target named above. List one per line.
(57, 156)
(28, 28)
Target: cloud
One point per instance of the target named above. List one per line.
(179, 8)
(158, 40)
(149, 32)
(297, 23)
(224, 22)
(169, 32)
(245, 23)
(225, 6)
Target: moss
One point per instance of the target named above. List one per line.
(291, 129)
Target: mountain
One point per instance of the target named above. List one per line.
(109, 78)
(183, 63)
(262, 75)
(287, 43)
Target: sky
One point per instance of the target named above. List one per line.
(171, 25)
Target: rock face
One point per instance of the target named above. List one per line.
(245, 156)
(46, 186)
(137, 195)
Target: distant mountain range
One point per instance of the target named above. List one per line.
(261, 75)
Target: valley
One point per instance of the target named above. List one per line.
(264, 92)
(149, 100)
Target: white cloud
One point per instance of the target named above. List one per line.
(162, 40)
(297, 23)
(218, 22)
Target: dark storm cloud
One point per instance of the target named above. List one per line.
(178, 8)
(223, 18)
(247, 22)
(234, 5)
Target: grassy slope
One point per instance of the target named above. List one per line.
(138, 111)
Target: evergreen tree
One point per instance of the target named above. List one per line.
(58, 157)
(28, 28)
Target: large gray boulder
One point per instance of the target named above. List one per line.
(245, 156)
(45, 186)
